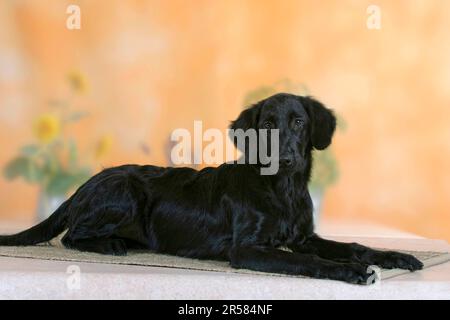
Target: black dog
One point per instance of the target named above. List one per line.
(229, 213)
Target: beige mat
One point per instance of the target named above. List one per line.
(145, 258)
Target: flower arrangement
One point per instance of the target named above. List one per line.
(43, 162)
(52, 160)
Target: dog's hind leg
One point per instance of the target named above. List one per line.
(112, 246)
(105, 230)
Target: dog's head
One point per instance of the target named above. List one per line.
(303, 123)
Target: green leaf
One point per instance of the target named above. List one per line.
(62, 182)
(24, 167)
(30, 150)
(51, 163)
(16, 167)
(35, 173)
(82, 176)
(325, 170)
(73, 154)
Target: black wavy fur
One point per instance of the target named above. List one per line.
(231, 212)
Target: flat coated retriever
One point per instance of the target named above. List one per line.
(230, 213)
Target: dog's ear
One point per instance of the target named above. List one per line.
(323, 122)
(248, 119)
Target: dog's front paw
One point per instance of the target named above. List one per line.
(393, 259)
(355, 273)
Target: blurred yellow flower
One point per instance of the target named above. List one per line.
(78, 82)
(104, 145)
(47, 127)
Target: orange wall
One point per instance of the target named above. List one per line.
(158, 65)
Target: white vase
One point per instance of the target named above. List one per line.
(316, 197)
(47, 204)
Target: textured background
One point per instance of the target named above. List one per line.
(153, 66)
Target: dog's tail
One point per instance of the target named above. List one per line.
(44, 231)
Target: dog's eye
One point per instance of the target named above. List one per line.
(299, 122)
(267, 124)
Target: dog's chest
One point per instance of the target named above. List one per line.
(287, 229)
(292, 225)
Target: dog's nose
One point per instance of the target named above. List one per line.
(286, 162)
